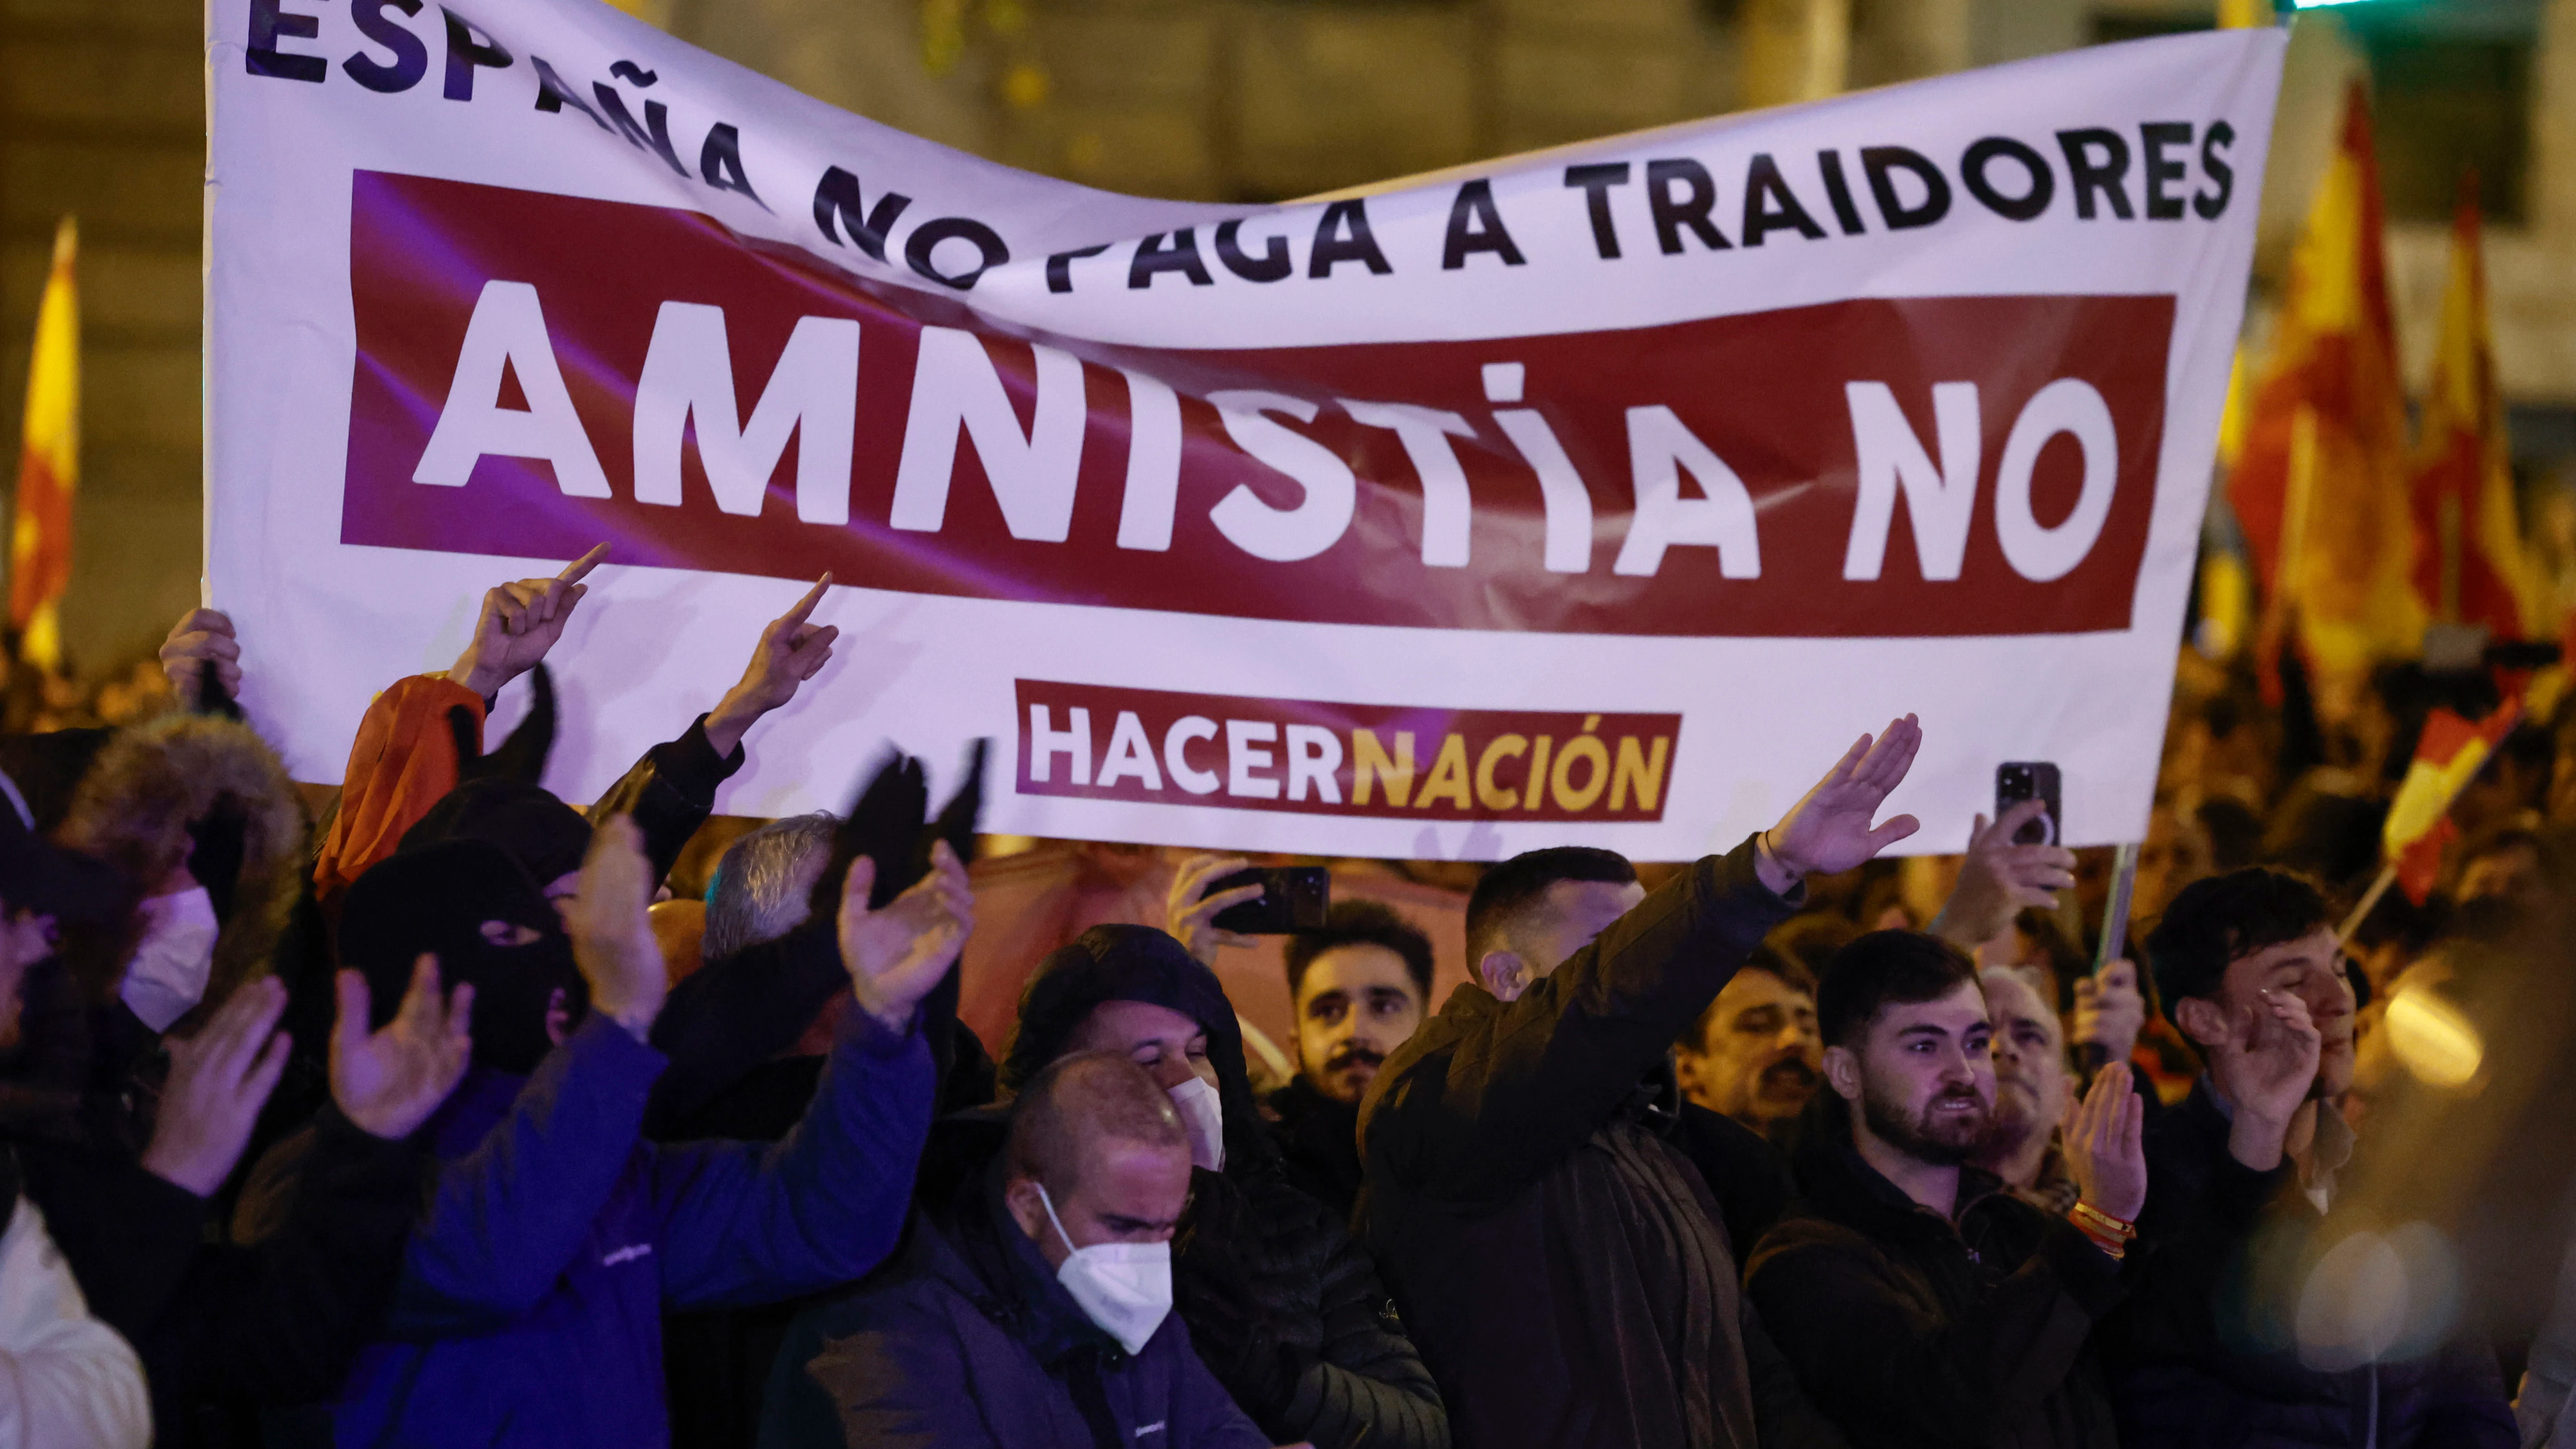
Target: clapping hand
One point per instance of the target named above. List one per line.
(2106, 1144)
(1830, 829)
(1999, 879)
(895, 955)
(520, 622)
(1189, 914)
(612, 930)
(388, 1082)
(790, 651)
(219, 1079)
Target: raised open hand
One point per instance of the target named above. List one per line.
(219, 1079)
(1998, 879)
(388, 1082)
(2106, 1150)
(897, 954)
(612, 929)
(1189, 913)
(201, 636)
(2265, 1070)
(520, 622)
(789, 652)
(1830, 829)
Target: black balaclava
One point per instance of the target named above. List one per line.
(1136, 963)
(544, 835)
(437, 898)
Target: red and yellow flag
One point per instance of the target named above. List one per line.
(2448, 755)
(40, 542)
(2469, 563)
(2320, 488)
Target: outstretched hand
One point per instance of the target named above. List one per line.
(790, 651)
(1190, 912)
(219, 1080)
(520, 622)
(612, 929)
(1999, 879)
(388, 1082)
(2106, 1150)
(1830, 829)
(895, 955)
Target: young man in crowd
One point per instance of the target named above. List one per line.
(1920, 1302)
(1035, 1308)
(1359, 988)
(1754, 1054)
(1280, 1303)
(1561, 1260)
(531, 1299)
(2249, 969)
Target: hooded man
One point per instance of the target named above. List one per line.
(1562, 1259)
(531, 1299)
(1033, 1310)
(1280, 1303)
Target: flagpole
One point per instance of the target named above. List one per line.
(2369, 899)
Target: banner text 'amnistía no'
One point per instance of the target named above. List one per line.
(1596, 496)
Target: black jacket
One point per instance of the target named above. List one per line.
(1561, 1261)
(1912, 1330)
(224, 1330)
(2204, 1362)
(1319, 1144)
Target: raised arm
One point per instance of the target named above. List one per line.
(1534, 1081)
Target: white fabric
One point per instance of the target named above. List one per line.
(67, 1381)
(1203, 1113)
(1125, 1288)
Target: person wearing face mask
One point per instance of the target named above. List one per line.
(1033, 1309)
(1559, 1227)
(530, 1305)
(1281, 1304)
(1919, 1301)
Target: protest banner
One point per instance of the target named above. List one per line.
(1585, 496)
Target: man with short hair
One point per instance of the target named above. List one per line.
(2248, 967)
(1036, 1311)
(1754, 1054)
(2034, 1090)
(1552, 1238)
(1920, 1302)
(1359, 988)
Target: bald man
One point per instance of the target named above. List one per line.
(1054, 1284)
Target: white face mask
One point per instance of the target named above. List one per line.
(1203, 1114)
(1125, 1288)
(167, 973)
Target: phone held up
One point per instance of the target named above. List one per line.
(1293, 898)
(2020, 780)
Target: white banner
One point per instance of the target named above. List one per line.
(1595, 496)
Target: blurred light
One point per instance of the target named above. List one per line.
(2375, 1297)
(2432, 1039)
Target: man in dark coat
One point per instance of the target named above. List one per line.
(1922, 1303)
(531, 1300)
(1359, 988)
(2248, 967)
(993, 1331)
(1562, 1261)
(1281, 1304)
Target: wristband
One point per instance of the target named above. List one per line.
(2099, 1224)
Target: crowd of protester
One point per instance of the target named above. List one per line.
(411, 1122)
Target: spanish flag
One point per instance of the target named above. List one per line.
(2448, 755)
(2321, 488)
(40, 542)
(2469, 563)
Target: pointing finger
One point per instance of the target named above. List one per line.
(580, 568)
(804, 607)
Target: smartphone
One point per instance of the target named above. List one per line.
(2021, 780)
(1293, 898)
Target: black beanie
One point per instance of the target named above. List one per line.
(544, 835)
